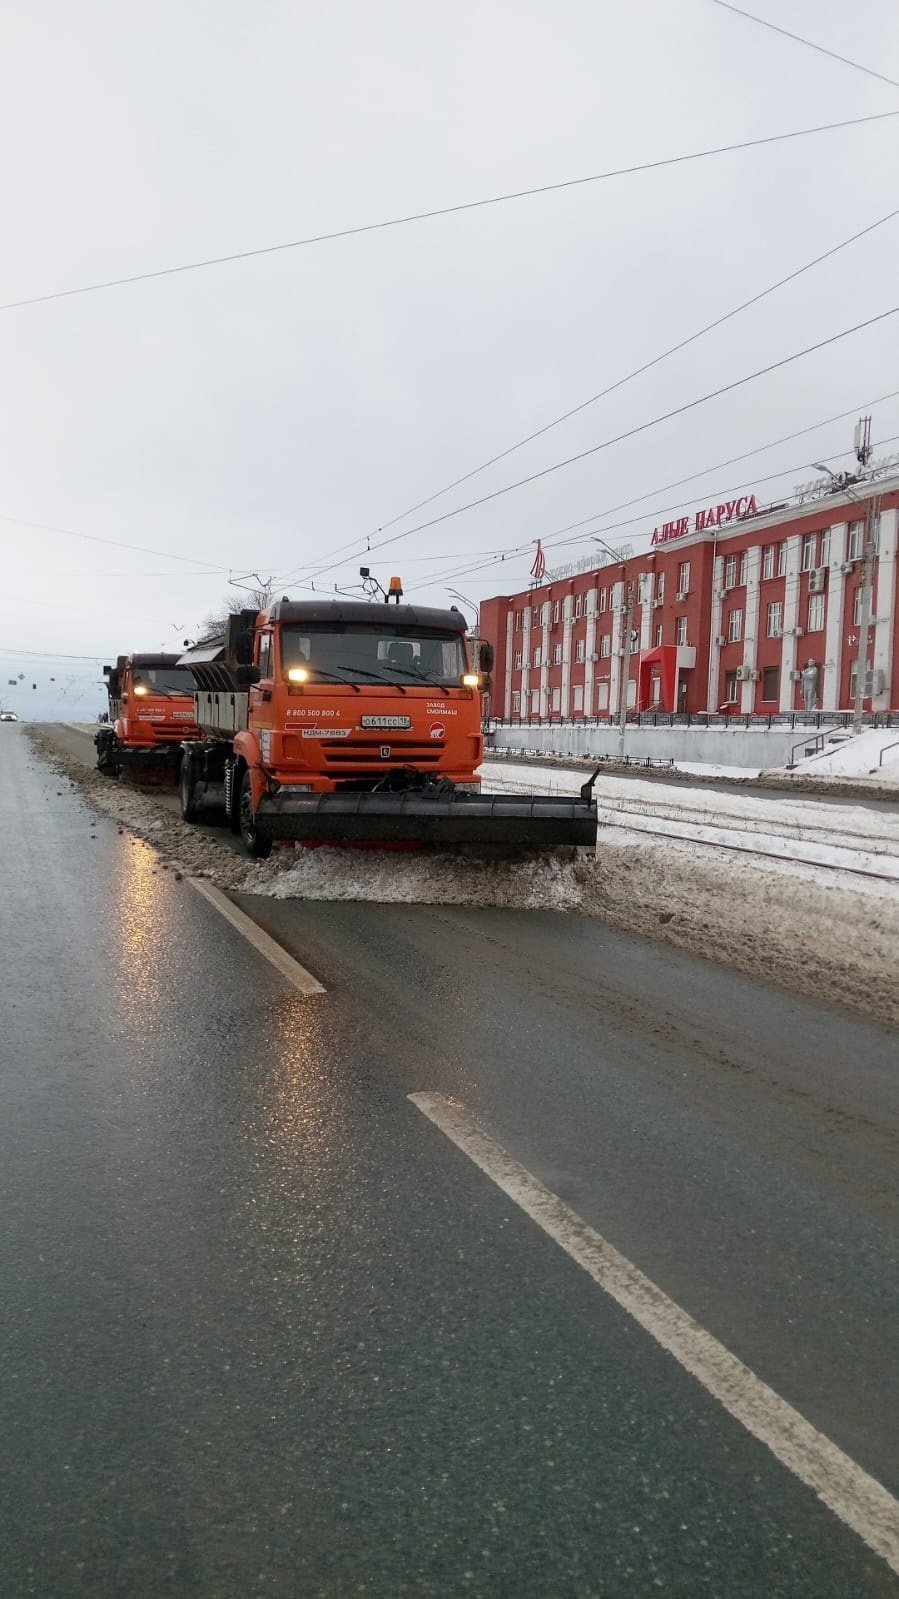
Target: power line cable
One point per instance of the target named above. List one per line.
(637, 372)
(810, 44)
(95, 538)
(442, 211)
(668, 510)
(642, 427)
(556, 538)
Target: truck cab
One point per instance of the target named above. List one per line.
(151, 712)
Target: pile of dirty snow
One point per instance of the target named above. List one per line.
(389, 877)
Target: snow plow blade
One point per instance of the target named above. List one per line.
(522, 821)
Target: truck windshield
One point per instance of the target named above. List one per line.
(379, 653)
(164, 679)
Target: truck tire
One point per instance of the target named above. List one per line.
(257, 848)
(107, 764)
(188, 788)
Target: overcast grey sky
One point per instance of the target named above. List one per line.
(252, 416)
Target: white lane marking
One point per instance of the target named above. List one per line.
(266, 946)
(858, 1499)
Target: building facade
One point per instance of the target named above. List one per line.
(734, 610)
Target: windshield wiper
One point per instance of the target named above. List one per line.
(337, 677)
(416, 677)
(375, 677)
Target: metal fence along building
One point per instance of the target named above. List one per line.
(737, 609)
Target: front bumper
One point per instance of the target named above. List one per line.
(526, 821)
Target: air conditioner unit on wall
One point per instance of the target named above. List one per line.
(743, 674)
(593, 656)
(722, 594)
(754, 676)
(846, 566)
(681, 595)
(720, 639)
(657, 603)
(795, 677)
(816, 580)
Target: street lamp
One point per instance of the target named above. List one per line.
(626, 657)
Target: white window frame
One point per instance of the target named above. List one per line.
(857, 606)
(516, 702)
(518, 660)
(730, 687)
(683, 578)
(535, 701)
(730, 571)
(744, 564)
(854, 541)
(602, 696)
(768, 559)
(580, 651)
(680, 630)
(660, 586)
(605, 646)
(809, 552)
(578, 606)
(577, 697)
(557, 610)
(658, 636)
(603, 599)
(538, 658)
(815, 622)
(774, 619)
(782, 558)
(557, 655)
(735, 626)
(556, 699)
(825, 547)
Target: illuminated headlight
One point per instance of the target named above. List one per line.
(471, 680)
(298, 674)
(140, 688)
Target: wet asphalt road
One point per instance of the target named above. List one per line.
(266, 1332)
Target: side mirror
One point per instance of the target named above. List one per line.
(486, 657)
(245, 676)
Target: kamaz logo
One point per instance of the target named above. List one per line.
(385, 752)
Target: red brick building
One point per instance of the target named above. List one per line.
(727, 609)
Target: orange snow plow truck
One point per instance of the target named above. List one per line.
(151, 712)
(354, 723)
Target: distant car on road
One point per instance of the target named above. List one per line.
(8, 716)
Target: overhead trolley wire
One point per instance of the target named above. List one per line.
(440, 211)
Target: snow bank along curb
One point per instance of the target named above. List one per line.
(823, 936)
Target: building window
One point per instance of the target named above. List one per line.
(815, 613)
(768, 560)
(809, 552)
(518, 660)
(735, 626)
(770, 682)
(557, 610)
(535, 702)
(578, 697)
(519, 618)
(730, 688)
(579, 650)
(825, 547)
(730, 572)
(857, 607)
(538, 657)
(680, 630)
(644, 588)
(744, 562)
(782, 559)
(854, 544)
(578, 605)
(655, 693)
(683, 578)
(557, 655)
(603, 599)
(775, 618)
(557, 699)
(660, 587)
(602, 697)
(605, 646)
(516, 703)
(658, 635)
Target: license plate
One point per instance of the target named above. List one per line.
(386, 721)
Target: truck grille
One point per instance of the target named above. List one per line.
(367, 751)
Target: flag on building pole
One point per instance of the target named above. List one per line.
(538, 570)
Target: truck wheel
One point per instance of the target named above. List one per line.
(106, 762)
(189, 809)
(258, 848)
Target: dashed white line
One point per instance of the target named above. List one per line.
(857, 1498)
(261, 941)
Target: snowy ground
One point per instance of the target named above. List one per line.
(689, 867)
(857, 757)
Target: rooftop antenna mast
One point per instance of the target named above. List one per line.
(861, 442)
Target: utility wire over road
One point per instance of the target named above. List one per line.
(440, 211)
